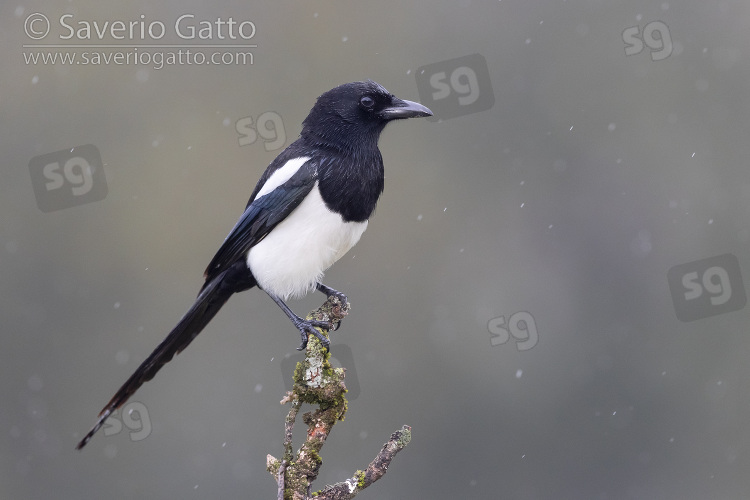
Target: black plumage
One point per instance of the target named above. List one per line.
(309, 207)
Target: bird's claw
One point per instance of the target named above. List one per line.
(306, 327)
(344, 301)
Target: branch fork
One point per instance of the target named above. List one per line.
(317, 383)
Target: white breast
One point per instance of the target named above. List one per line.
(292, 258)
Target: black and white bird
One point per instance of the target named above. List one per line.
(310, 206)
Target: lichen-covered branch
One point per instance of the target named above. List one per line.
(317, 383)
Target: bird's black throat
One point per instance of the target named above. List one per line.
(350, 184)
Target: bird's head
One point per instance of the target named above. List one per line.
(355, 112)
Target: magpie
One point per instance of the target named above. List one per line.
(310, 206)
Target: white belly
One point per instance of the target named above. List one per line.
(292, 258)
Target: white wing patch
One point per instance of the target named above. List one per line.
(282, 175)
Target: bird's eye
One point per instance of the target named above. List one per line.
(367, 102)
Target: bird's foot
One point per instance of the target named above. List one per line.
(343, 300)
(344, 307)
(308, 326)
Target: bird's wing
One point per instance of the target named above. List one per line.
(261, 216)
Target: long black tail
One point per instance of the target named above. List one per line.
(212, 297)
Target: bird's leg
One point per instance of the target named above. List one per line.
(330, 291)
(335, 293)
(305, 326)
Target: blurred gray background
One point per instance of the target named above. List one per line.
(591, 176)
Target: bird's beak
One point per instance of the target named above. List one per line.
(401, 108)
